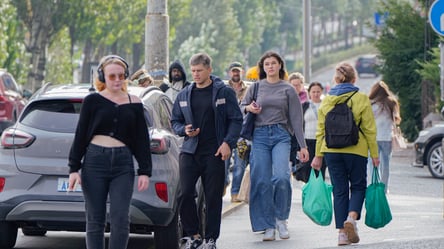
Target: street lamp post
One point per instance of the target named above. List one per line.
(307, 40)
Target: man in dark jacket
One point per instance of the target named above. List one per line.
(177, 80)
(207, 114)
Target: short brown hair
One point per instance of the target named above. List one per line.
(200, 58)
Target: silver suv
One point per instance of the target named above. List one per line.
(34, 171)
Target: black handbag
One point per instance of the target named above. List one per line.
(249, 118)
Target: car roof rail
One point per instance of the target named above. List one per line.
(44, 88)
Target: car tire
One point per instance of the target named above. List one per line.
(435, 161)
(33, 231)
(8, 236)
(168, 237)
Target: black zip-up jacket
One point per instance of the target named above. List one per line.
(226, 109)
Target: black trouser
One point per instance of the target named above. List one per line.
(311, 146)
(212, 171)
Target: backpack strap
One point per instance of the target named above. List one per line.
(349, 97)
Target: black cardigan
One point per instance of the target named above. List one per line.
(125, 122)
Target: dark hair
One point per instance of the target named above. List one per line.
(260, 64)
(315, 83)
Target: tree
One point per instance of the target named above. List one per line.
(224, 27)
(12, 50)
(401, 44)
(42, 20)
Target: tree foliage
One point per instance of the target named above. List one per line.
(61, 35)
(401, 44)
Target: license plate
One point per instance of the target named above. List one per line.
(62, 185)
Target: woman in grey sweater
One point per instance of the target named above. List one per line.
(278, 114)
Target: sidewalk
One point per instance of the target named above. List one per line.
(229, 207)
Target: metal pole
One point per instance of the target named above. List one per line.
(156, 39)
(307, 40)
(441, 82)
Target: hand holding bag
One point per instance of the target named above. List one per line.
(378, 212)
(398, 141)
(249, 118)
(316, 199)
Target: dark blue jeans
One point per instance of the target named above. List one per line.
(107, 171)
(348, 175)
(212, 171)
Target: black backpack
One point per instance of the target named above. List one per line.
(340, 127)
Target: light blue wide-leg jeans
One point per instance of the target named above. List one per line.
(270, 194)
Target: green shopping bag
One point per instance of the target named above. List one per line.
(378, 212)
(316, 199)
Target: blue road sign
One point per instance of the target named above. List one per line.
(436, 16)
(380, 20)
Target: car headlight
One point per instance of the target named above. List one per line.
(423, 133)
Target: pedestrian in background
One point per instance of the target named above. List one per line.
(142, 78)
(177, 80)
(385, 108)
(207, 114)
(278, 115)
(310, 112)
(347, 166)
(235, 71)
(297, 81)
(111, 130)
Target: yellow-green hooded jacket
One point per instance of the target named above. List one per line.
(363, 115)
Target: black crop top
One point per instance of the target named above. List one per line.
(125, 122)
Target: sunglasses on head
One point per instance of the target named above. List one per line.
(120, 76)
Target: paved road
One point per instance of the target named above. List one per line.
(416, 200)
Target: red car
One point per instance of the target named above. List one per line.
(11, 100)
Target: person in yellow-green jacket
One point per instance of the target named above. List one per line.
(347, 166)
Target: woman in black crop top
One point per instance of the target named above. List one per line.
(111, 129)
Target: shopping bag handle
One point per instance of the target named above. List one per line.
(375, 176)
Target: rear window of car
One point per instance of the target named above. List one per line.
(53, 115)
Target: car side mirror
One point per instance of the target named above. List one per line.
(26, 93)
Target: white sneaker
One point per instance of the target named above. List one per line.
(269, 234)
(281, 226)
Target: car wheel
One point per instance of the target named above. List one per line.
(168, 237)
(33, 231)
(8, 236)
(434, 161)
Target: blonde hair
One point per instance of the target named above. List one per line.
(344, 73)
(100, 86)
(140, 77)
(297, 75)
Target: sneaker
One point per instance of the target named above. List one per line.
(351, 230)
(281, 226)
(210, 244)
(343, 239)
(195, 243)
(269, 234)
